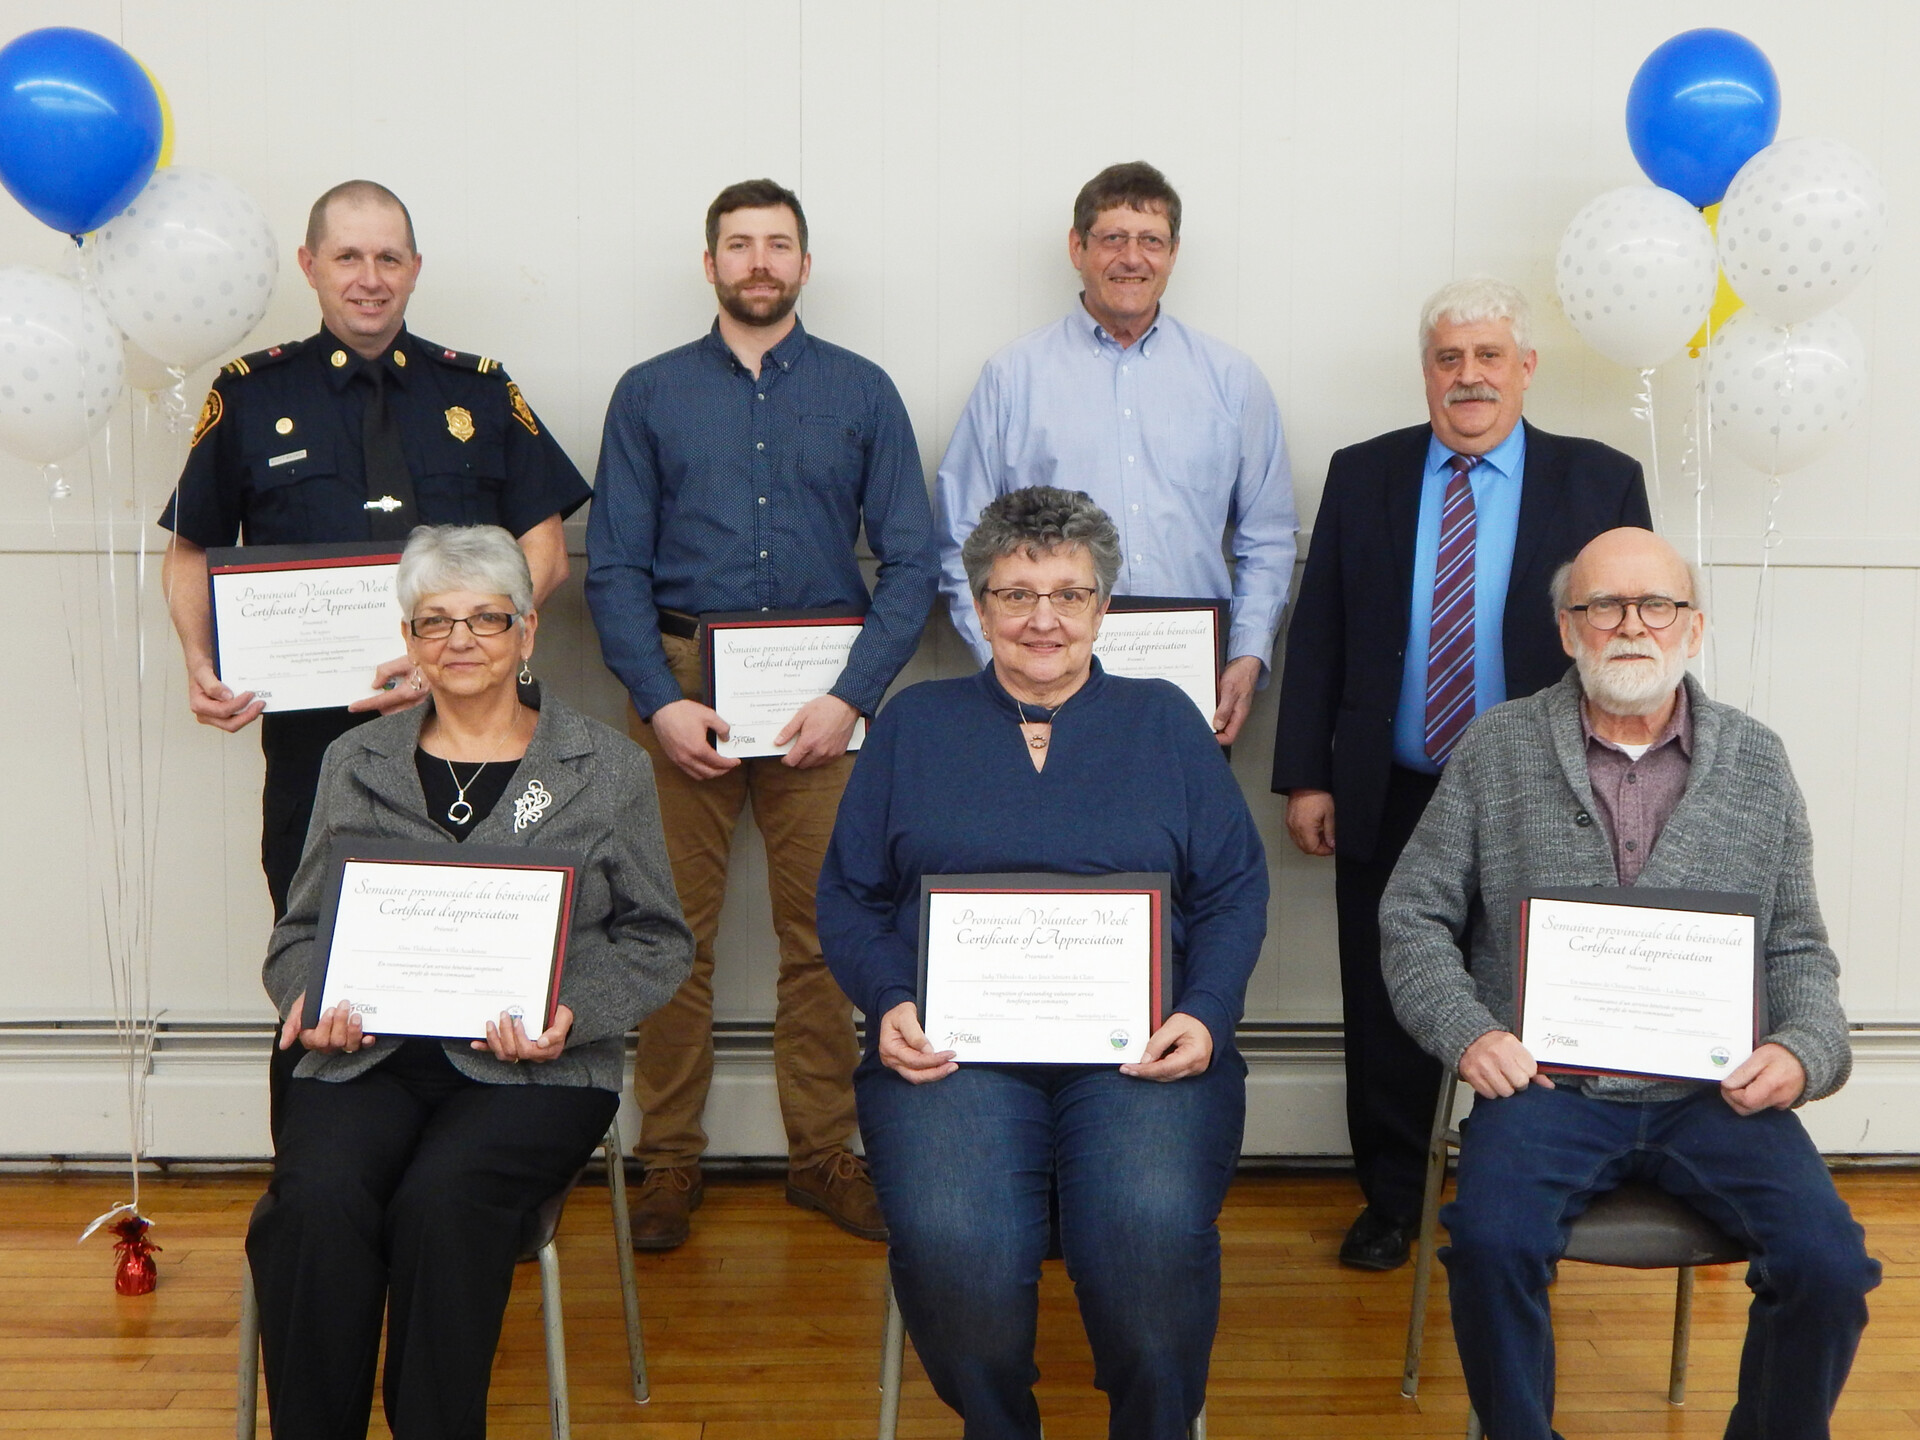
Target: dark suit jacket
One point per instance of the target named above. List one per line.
(1347, 640)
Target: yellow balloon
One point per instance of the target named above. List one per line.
(166, 116)
(1725, 302)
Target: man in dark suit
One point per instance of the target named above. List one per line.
(1425, 601)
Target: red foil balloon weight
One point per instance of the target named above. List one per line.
(134, 1274)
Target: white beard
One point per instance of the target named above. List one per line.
(1630, 689)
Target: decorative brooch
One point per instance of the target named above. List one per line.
(530, 806)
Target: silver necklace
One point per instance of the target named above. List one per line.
(1036, 742)
(460, 812)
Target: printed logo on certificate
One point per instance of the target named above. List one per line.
(763, 665)
(436, 939)
(1149, 637)
(303, 627)
(1042, 968)
(1657, 984)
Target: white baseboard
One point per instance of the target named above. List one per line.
(63, 1097)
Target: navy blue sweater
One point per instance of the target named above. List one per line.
(1134, 781)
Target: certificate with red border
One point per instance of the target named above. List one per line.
(1164, 638)
(425, 938)
(1044, 968)
(303, 627)
(763, 665)
(1655, 984)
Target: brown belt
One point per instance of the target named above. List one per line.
(672, 622)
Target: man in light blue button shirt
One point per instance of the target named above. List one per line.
(1173, 433)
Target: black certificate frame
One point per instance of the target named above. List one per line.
(1221, 610)
(447, 854)
(1158, 884)
(224, 560)
(715, 620)
(1708, 902)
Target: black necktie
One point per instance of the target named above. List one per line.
(391, 510)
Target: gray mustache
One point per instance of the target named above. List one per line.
(1460, 393)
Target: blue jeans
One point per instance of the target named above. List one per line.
(1531, 1163)
(964, 1168)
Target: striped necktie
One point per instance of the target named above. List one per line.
(1450, 686)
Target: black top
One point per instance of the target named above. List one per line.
(277, 453)
(485, 783)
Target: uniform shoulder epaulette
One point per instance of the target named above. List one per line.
(461, 360)
(272, 355)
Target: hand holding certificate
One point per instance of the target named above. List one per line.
(1661, 984)
(1050, 969)
(440, 940)
(1184, 641)
(303, 627)
(763, 666)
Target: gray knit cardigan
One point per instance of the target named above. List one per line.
(1515, 812)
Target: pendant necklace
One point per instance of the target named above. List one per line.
(1037, 742)
(460, 812)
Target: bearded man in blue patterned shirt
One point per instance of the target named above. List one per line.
(736, 473)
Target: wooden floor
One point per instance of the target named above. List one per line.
(767, 1325)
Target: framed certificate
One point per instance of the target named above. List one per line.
(303, 626)
(436, 939)
(762, 665)
(1660, 984)
(1044, 969)
(1157, 638)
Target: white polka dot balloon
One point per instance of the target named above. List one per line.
(187, 269)
(1635, 274)
(60, 365)
(1800, 227)
(1780, 396)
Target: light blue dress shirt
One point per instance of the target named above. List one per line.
(1496, 511)
(1176, 437)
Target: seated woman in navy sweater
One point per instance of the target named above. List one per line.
(1043, 762)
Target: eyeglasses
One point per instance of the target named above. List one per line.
(1657, 612)
(1067, 603)
(485, 623)
(1114, 241)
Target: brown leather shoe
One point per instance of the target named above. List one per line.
(838, 1186)
(667, 1196)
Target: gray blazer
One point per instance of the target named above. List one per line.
(628, 949)
(1515, 811)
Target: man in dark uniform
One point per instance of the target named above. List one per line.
(359, 433)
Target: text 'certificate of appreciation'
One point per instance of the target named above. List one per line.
(304, 626)
(1185, 641)
(1660, 984)
(762, 665)
(1051, 969)
(437, 940)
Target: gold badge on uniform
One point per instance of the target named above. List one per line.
(459, 423)
(521, 410)
(210, 414)
(283, 426)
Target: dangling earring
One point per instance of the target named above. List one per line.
(525, 677)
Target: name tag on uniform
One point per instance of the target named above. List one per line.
(288, 458)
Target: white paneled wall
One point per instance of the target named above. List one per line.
(1337, 162)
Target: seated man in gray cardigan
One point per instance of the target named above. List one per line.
(1626, 773)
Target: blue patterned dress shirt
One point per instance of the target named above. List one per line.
(718, 490)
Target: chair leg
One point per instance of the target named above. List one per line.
(1429, 1227)
(623, 1247)
(1682, 1336)
(556, 1331)
(892, 1355)
(247, 1377)
(1474, 1432)
(1198, 1429)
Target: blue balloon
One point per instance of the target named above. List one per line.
(80, 127)
(1702, 105)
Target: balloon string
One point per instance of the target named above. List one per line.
(1769, 542)
(1702, 446)
(1643, 410)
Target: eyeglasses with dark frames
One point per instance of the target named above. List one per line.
(1657, 612)
(481, 625)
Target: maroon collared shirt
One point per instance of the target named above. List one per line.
(1635, 797)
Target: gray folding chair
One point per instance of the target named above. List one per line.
(537, 1243)
(1637, 1227)
(893, 1345)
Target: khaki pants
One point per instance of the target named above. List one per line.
(814, 1052)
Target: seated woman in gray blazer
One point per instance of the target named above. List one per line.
(404, 1167)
